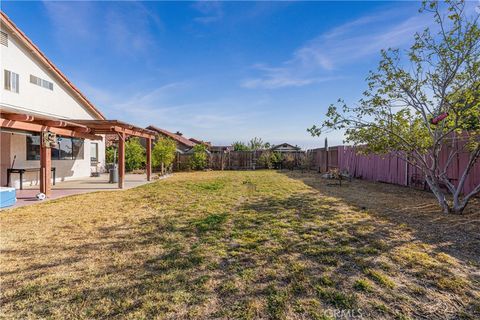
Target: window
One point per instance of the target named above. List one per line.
(33, 147)
(67, 149)
(41, 82)
(64, 149)
(77, 145)
(11, 81)
(4, 38)
(93, 153)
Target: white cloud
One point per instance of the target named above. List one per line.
(70, 19)
(89, 25)
(320, 57)
(159, 106)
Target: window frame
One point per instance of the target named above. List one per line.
(94, 161)
(10, 84)
(46, 84)
(56, 152)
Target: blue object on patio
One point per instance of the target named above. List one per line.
(8, 197)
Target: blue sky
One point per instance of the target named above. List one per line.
(219, 71)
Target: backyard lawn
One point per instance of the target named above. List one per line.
(223, 245)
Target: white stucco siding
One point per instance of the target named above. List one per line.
(65, 169)
(31, 97)
(59, 103)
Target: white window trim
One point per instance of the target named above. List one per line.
(12, 81)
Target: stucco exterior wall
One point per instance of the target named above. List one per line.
(33, 98)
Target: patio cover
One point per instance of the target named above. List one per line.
(11, 119)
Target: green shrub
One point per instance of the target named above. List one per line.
(289, 161)
(110, 154)
(163, 152)
(134, 154)
(265, 160)
(240, 146)
(198, 160)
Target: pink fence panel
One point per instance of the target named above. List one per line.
(392, 169)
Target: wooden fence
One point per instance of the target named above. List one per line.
(389, 168)
(234, 160)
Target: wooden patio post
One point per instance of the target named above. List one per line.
(45, 167)
(121, 160)
(149, 159)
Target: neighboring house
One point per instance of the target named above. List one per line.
(220, 149)
(31, 84)
(285, 147)
(197, 141)
(183, 144)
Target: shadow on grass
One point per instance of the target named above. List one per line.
(293, 255)
(415, 210)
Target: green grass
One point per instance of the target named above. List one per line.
(222, 245)
(363, 285)
(211, 222)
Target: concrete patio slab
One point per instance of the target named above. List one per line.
(27, 196)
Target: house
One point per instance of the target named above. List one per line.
(198, 141)
(220, 149)
(285, 147)
(183, 144)
(48, 127)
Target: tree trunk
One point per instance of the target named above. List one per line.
(457, 207)
(439, 194)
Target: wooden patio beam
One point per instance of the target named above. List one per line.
(121, 160)
(35, 127)
(18, 117)
(53, 123)
(149, 159)
(45, 169)
(81, 129)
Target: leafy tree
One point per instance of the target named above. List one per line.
(403, 107)
(256, 144)
(269, 159)
(163, 152)
(110, 154)
(134, 154)
(239, 146)
(266, 159)
(199, 157)
(277, 159)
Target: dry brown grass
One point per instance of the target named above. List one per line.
(206, 245)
